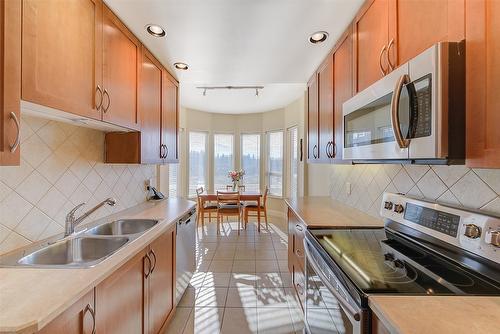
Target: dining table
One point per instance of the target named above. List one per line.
(245, 196)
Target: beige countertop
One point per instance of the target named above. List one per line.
(326, 212)
(405, 314)
(32, 297)
(438, 314)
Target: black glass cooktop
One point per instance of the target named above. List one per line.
(377, 263)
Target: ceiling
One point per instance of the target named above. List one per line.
(239, 42)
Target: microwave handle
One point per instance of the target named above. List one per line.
(402, 142)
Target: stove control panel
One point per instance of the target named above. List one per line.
(474, 231)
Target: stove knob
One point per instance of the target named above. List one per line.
(389, 257)
(398, 208)
(493, 238)
(388, 205)
(472, 231)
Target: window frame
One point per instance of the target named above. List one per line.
(291, 162)
(268, 166)
(188, 160)
(233, 161)
(259, 134)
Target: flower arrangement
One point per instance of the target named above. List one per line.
(236, 176)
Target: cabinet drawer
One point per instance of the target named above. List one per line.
(298, 244)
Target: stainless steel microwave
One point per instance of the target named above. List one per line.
(414, 114)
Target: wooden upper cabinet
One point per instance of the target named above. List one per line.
(10, 81)
(120, 59)
(61, 55)
(169, 118)
(416, 25)
(325, 112)
(371, 33)
(77, 319)
(150, 92)
(161, 281)
(312, 119)
(342, 81)
(482, 85)
(119, 299)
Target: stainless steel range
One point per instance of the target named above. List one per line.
(424, 249)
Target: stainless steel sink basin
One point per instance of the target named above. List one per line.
(123, 227)
(74, 252)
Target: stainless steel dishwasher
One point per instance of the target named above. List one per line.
(185, 252)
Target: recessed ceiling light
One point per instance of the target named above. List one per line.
(155, 30)
(318, 37)
(181, 66)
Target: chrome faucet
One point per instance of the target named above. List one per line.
(72, 222)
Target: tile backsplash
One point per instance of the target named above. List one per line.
(455, 185)
(61, 166)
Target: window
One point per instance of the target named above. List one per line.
(173, 180)
(197, 161)
(250, 161)
(223, 159)
(275, 163)
(294, 161)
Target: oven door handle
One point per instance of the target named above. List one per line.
(402, 142)
(347, 307)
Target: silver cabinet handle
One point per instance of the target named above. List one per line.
(99, 90)
(391, 65)
(300, 290)
(14, 146)
(105, 109)
(299, 228)
(382, 70)
(161, 151)
(334, 148)
(166, 151)
(152, 252)
(146, 274)
(327, 149)
(402, 142)
(314, 151)
(89, 309)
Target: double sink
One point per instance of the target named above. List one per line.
(84, 249)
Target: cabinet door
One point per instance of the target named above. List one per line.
(10, 81)
(161, 280)
(342, 76)
(79, 318)
(169, 116)
(312, 119)
(482, 84)
(61, 57)
(121, 54)
(119, 299)
(326, 116)
(437, 20)
(150, 108)
(371, 37)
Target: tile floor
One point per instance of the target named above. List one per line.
(242, 284)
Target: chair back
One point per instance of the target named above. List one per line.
(266, 192)
(228, 198)
(199, 191)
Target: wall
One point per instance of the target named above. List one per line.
(279, 119)
(456, 185)
(61, 166)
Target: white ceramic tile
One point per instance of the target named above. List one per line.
(491, 177)
(81, 195)
(450, 174)
(80, 168)
(68, 183)
(4, 232)
(52, 135)
(431, 185)
(34, 187)
(4, 191)
(493, 206)
(67, 153)
(241, 297)
(240, 320)
(52, 168)
(403, 181)
(448, 198)
(52, 202)
(92, 181)
(472, 192)
(12, 242)
(211, 297)
(35, 123)
(32, 226)
(13, 209)
(52, 229)
(416, 172)
(274, 321)
(12, 176)
(35, 151)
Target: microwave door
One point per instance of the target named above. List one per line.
(368, 127)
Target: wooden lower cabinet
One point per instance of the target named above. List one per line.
(378, 326)
(161, 281)
(120, 299)
(79, 318)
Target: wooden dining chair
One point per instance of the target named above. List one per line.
(252, 207)
(204, 208)
(228, 204)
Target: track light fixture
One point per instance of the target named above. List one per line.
(205, 88)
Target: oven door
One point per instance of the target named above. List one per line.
(328, 309)
(368, 125)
